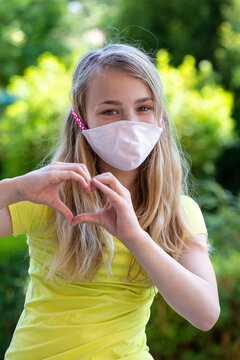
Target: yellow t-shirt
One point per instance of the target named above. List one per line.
(102, 319)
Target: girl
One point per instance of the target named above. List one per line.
(108, 222)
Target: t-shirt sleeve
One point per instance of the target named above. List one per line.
(28, 217)
(195, 214)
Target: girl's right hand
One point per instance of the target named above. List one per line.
(41, 186)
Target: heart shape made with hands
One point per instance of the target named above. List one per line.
(117, 216)
(92, 217)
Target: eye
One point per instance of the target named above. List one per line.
(110, 112)
(144, 108)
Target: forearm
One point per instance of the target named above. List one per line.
(188, 294)
(9, 193)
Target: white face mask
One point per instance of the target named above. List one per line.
(122, 144)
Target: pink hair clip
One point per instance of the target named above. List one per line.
(78, 120)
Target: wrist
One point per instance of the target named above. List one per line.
(18, 185)
(9, 193)
(15, 192)
(137, 238)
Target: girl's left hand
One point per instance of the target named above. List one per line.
(117, 216)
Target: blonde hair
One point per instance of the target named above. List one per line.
(163, 177)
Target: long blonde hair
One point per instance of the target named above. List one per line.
(163, 177)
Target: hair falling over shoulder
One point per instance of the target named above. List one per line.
(162, 180)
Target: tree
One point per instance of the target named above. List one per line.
(181, 27)
(29, 28)
(200, 108)
(30, 123)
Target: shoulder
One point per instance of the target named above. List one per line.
(187, 201)
(190, 205)
(29, 217)
(30, 207)
(194, 213)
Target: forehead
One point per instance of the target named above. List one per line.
(113, 83)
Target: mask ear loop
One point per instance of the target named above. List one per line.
(161, 119)
(78, 120)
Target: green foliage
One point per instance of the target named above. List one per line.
(228, 169)
(222, 214)
(200, 108)
(13, 269)
(182, 27)
(28, 126)
(228, 52)
(11, 246)
(28, 28)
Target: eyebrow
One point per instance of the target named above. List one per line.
(115, 102)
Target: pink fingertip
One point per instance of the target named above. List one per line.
(86, 190)
(96, 180)
(85, 187)
(85, 183)
(74, 223)
(92, 182)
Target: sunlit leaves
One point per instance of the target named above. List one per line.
(29, 123)
(200, 108)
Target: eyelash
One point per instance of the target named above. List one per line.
(108, 111)
(147, 107)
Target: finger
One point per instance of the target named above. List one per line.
(71, 175)
(85, 170)
(81, 168)
(110, 180)
(107, 205)
(91, 218)
(78, 168)
(64, 210)
(113, 195)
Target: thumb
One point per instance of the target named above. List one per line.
(64, 210)
(91, 218)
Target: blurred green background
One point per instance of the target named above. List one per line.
(197, 50)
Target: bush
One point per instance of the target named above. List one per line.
(29, 125)
(221, 211)
(200, 108)
(13, 269)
